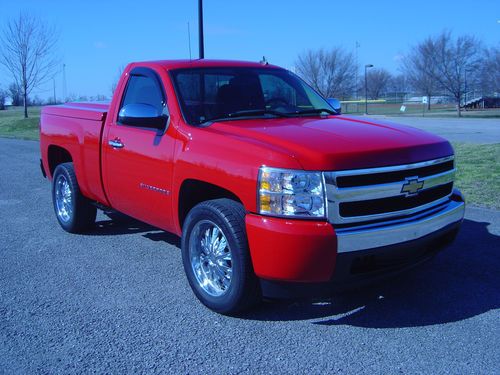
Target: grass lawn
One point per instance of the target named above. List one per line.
(14, 125)
(478, 173)
(478, 166)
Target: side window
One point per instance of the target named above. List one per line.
(143, 89)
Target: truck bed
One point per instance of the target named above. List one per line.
(77, 128)
(95, 111)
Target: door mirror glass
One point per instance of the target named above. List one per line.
(335, 104)
(143, 115)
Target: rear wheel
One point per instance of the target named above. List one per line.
(74, 212)
(216, 257)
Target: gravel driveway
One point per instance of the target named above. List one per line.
(116, 301)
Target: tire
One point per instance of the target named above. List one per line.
(221, 277)
(74, 212)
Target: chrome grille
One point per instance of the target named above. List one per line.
(388, 192)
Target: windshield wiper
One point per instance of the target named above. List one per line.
(245, 113)
(257, 112)
(315, 111)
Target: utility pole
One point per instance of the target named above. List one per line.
(200, 29)
(366, 87)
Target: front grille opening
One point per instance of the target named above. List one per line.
(388, 177)
(392, 204)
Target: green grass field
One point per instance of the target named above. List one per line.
(478, 166)
(13, 125)
(478, 173)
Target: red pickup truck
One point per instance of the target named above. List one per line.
(273, 192)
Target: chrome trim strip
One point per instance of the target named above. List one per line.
(354, 239)
(392, 214)
(394, 168)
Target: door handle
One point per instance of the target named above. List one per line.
(116, 143)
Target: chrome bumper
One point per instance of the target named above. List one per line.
(373, 236)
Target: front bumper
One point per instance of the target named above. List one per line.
(390, 233)
(296, 253)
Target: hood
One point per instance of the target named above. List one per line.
(339, 142)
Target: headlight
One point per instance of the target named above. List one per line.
(286, 192)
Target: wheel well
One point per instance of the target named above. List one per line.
(57, 155)
(193, 192)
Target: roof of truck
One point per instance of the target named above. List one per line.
(96, 111)
(204, 63)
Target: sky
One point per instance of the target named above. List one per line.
(97, 38)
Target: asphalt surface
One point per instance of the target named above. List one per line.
(470, 130)
(116, 301)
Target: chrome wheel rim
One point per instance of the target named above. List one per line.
(64, 198)
(210, 257)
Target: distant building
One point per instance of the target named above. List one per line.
(438, 99)
(483, 102)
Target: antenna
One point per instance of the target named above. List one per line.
(65, 93)
(189, 41)
(357, 68)
(200, 29)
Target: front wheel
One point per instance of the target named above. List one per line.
(74, 212)
(216, 258)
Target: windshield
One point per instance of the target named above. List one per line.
(221, 94)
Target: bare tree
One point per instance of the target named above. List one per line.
(378, 81)
(331, 72)
(419, 67)
(453, 60)
(15, 94)
(399, 85)
(36, 101)
(489, 74)
(27, 52)
(3, 95)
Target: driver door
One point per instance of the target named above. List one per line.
(137, 160)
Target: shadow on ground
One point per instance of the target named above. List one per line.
(119, 224)
(460, 282)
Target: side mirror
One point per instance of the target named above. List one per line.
(335, 104)
(143, 115)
